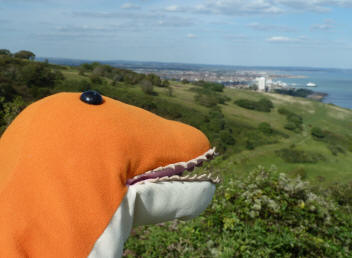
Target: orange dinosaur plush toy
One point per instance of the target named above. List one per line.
(78, 171)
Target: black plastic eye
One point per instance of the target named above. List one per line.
(91, 97)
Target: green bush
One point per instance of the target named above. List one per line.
(265, 128)
(295, 92)
(336, 143)
(227, 138)
(266, 214)
(317, 132)
(212, 86)
(9, 110)
(294, 121)
(147, 87)
(39, 75)
(208, 97)
(299, 156)
(263, 105)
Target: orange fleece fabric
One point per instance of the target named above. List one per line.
(64, 166)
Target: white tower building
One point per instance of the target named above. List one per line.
(261, 83)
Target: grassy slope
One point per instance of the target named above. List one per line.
(327, 117)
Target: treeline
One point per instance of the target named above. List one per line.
(97, 71)
(295, 92)
(23, 54)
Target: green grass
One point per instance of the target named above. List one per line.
(328, 117)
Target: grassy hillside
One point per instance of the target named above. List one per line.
(257, 212)
(335, 167)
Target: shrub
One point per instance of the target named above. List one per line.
(212, 86)
(39, 75)
(335, 142)
(295, 92)
(265, 128)
(294, 121)
(299, 156)
(227, 138)
(317, 132)
(265, 214)
(9, 110)
(263, 105)
(207, 100)
(95, 79)
(147, 87)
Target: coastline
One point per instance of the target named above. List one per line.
(319, 96)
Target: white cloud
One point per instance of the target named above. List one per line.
(327, 25)
(130, 6)
(174, 8)
(191, 36)
(238, 7)
(252, 7)
(283, 39)
(315, 5)
(269, 27)
(143, 19)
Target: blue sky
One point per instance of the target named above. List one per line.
(314, 33)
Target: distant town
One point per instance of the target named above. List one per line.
(263, 79)
(259, 80)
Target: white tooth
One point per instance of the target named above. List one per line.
(172, 166)
(185, 177)
(183, 164)
(201, 176)
(193, 177)
(194, 161)
(209, 176)
(157, 169)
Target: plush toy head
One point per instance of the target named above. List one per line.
(67, 164)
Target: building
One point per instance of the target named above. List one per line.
(261, 83)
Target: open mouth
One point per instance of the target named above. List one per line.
(174, 172)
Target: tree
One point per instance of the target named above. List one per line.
(39, 75)
(147, 87)
(155, 80)
(24, 54)
(5, 52)
(170, 91)
(165, 83)
(96, 79)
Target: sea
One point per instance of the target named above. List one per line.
(337, 83)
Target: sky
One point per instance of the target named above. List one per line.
(311, 33)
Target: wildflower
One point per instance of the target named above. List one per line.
(302, 204)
